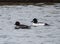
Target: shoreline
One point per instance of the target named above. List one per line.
(23, 3)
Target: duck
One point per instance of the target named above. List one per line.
(36, 23)
(21, 26)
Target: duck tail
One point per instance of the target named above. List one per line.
(46, 24)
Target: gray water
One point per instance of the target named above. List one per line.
(36, 35)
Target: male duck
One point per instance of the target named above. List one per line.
(18, 26)
(36, 23)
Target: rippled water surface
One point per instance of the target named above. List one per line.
(36, 35)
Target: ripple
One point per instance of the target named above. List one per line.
(41, 36)
(3, 36)
(0, 28)
(10, 43)
(47, 16)
(51, 36)
(23, 36)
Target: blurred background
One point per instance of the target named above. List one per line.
(10, 2)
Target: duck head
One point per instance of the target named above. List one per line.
(35, 20)
(17, 23)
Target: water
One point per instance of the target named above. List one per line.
(36, 35)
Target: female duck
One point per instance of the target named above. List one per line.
(36, 23)
(18, 26)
